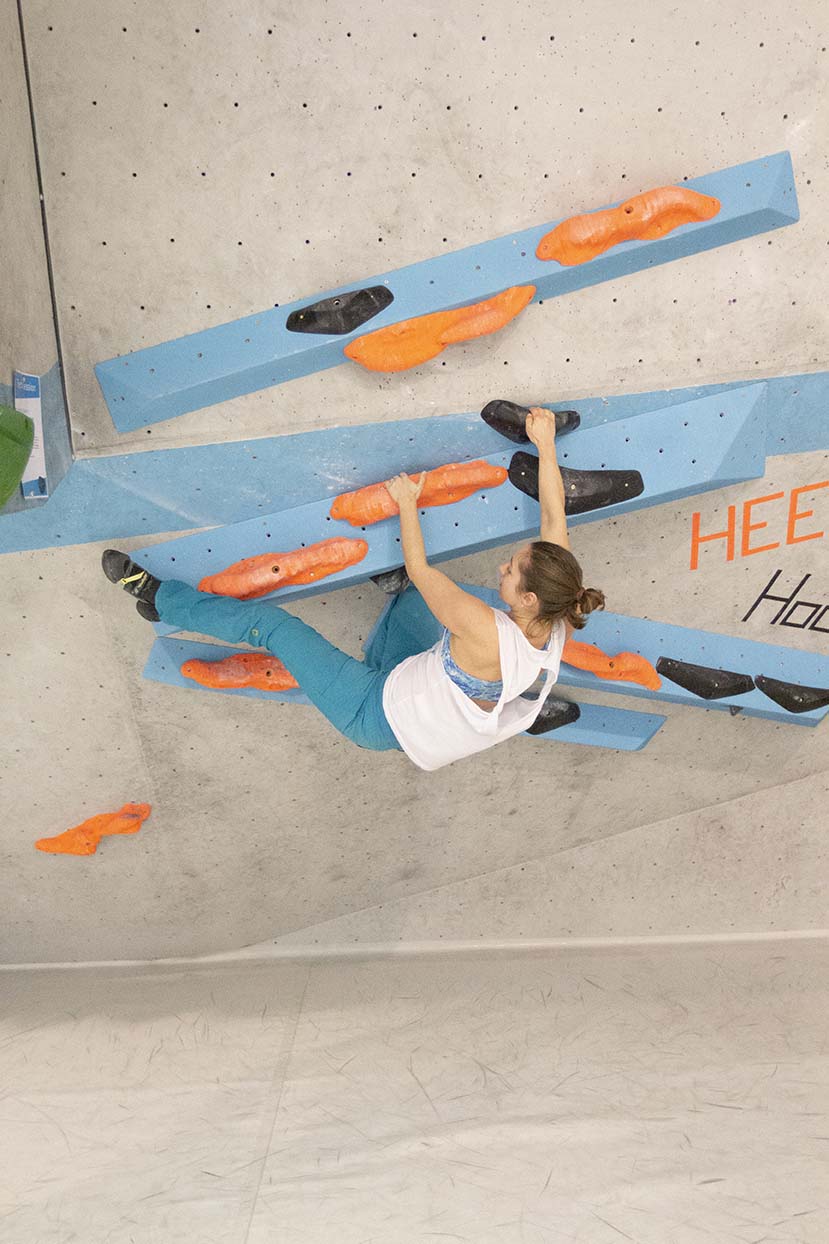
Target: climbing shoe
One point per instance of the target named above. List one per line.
(392, 581)
(147, 611)
(120, 569)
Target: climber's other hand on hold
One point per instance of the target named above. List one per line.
(540, 426)
(404, 490)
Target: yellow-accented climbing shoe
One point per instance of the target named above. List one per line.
(120, 569)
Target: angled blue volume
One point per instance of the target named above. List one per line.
(616, 632)
(598, 726)
(683, 451)
(122, 496)
(163, 381)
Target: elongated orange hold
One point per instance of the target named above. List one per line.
(241, 669)
(257, 576)
(445, 484)
(410, 342)
(649, 215)
(625, 666)
(83, 839)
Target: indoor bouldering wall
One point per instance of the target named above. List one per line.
(217, 190)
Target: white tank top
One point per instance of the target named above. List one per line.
(436, 724)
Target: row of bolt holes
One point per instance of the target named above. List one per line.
(274, 380)
(328, 520)
(336, 303)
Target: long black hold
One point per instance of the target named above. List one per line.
(555, 714)
(703, 680)
(792, 696)
(342, 313)
(583, 490)
(509, 419)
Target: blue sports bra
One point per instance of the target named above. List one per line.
(475, 688)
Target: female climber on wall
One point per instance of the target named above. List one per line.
(444, 673)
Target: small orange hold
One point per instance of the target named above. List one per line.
(241, 669)
(644, 217)
(625, 666)
(258, 576)
(83, 839)
(452, 482)
(414, 341)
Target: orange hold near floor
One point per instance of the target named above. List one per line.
(83, 839)
(644, 217)
(445, 484)
(414, 341)
(258, 576)
(625, 666)
(241, 669)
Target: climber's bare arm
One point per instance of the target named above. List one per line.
(541, 429)
(462, 614)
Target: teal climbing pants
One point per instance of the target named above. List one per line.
(348, 692)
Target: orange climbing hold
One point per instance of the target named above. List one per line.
(625, 666)
(83, 839)
(404, 345)
(445, 484)
(241, 669)
(645, 216)
(257, 576)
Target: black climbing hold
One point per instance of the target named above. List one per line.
(704, 680)
(508, 418)
(392, 581)
(735, 709)
(583, 490)
(554, 714)
(342, 313)
(792, 696)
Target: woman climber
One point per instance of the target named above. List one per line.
(444, 673)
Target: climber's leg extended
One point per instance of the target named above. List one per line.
(346, 691)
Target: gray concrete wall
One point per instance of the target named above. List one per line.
(265, 824)
(27, 334)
